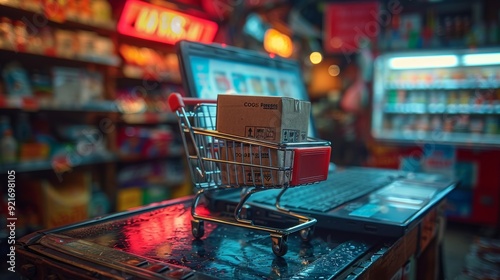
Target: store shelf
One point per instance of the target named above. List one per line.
(175, 153)
(70, 161)
(447, 86)
(39, 17)
(105, 61)
(33, 105)
(139, 78)
(441, 109)
(149, 118)
(439, 137)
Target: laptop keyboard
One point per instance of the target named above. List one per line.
(339, 188)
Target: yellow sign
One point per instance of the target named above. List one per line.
(278, 43)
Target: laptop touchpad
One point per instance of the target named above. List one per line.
(406, 191)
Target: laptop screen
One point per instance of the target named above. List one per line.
(209, 70)
(214, 76)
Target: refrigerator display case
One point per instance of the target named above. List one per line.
(446, 97)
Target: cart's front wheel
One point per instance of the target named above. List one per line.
(280, 250)
(307, 233)
(197, 229)
(279, 244)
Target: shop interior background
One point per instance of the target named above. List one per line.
(85, 124)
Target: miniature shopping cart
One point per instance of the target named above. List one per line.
(221, 161)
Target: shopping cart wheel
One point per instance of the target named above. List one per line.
(197, 228)
(279, 245)
(307, 233)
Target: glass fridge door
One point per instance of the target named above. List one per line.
(442, 97)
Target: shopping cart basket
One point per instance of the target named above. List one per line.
(219, 161)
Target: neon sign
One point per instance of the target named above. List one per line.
(278, 43)
(150, 22)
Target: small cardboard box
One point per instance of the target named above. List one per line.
(260, 173)
(275, 119)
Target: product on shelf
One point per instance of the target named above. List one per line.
(155, 193)
(17, 82)
(147, 142)
(76, 87)
(48, 41)
(99, 202)
(88, 140)
(31, 5)
(86, 43)
(101, 11)
(41, 82)
(4, 124)
(147, 63)
(58, 203)
(141, 100)
(8, 147)
(491, 125)
(21, 35)
(128, 198)
(66, 43)
(7, 37)
(147, 182)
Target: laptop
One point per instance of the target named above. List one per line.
(374, 201)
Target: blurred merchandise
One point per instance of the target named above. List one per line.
(86, 140)
(128, 198)
(33, 151)
(76, 87)
(147, 142)
(21, 35)
(7, 37)
(45, 40)
(42, 87)
(31, 5)
(23, 129)
(99, 202)
(148, 182)
(459, 204)
(167, 173)
(147, 63)
(483, 260)
(97, 12)
(438, 97)
(139, 99)
(4, 124)
(17, 81)
(101, 11)
(56, 10)
(65, 43)
(155, 193)
(8, 147)
(86, 43)
(60, 202)
(429, 27)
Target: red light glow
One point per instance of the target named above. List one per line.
(150, 22)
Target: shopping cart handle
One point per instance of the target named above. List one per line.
(176, 101)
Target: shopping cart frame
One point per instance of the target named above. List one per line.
(207, 162)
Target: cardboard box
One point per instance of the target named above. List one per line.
(244, 175)
(275, 119)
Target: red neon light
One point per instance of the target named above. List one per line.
(150, 22)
